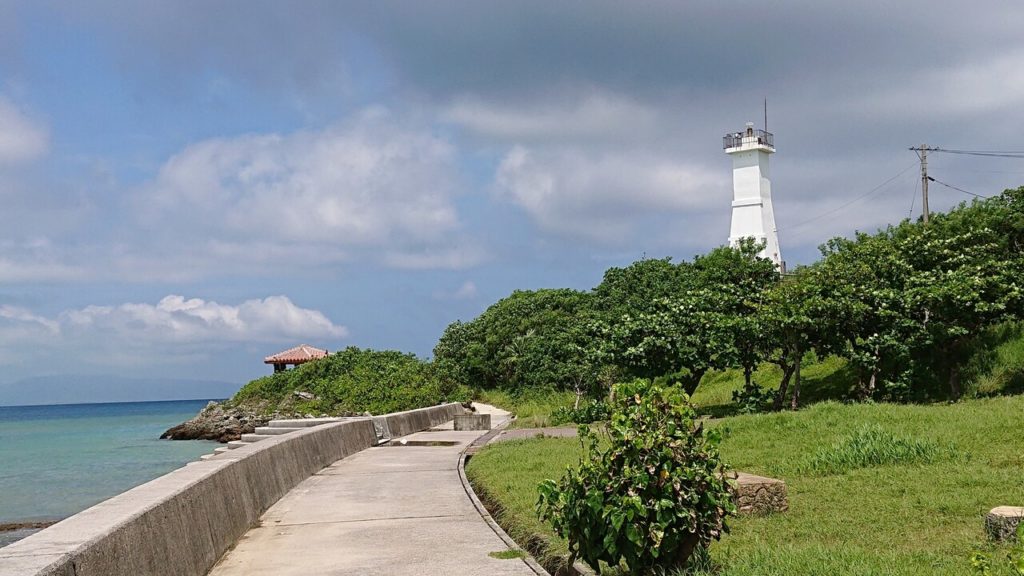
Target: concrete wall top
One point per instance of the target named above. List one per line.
(182, 522)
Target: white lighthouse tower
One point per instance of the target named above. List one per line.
(752, 214)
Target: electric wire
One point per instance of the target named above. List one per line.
(987, 153)
(930, 179)
(855, 200)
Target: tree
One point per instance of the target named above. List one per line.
(866, 279)
(636, 288)
(529, 339)
(796, 317)
(742, 279)
(681, 337)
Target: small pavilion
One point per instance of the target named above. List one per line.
(294, 356)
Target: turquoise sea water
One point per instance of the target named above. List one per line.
(59, 460)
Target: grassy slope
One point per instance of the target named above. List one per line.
(897, 519)
(823, 379)
(532, 409)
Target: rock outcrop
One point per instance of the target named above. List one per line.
(220, 423)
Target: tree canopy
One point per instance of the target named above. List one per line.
(903, 306)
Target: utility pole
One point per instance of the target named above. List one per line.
(922, 154)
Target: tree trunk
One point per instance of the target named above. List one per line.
(780, 395)
(796, 384)
(955, 389)
(691, 382)
(747, 372)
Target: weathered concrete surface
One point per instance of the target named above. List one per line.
(472, 422)
(387, 510)
(180, 524)
(1001, 523)
(760, 495)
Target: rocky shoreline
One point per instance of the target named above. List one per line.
(220, 423)
(224, 422)
(36, 525)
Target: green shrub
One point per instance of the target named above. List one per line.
(353, 380)
(657, 493)
(752, 398)
(868, 446)
(586, 413)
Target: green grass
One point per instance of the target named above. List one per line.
(532, 408)
(505, 478)
(1000, 364)
(868, 446)
(826, 379)
(904, 516)
(822, 380)
(507, 554)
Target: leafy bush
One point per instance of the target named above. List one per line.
(656, 494)
(752, 398)
(869, 446)
(353, 381)
(586, 413)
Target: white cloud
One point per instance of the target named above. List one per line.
(467, 291)
(16, 314)
(969, 88)
(603, 196)
(463, 254)
(589, 114)
(35, 260)
(174, 318)
(173, 330)
(366, 188)
(21, 138)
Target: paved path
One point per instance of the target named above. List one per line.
(392, 510)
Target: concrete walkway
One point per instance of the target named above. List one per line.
(387, 510)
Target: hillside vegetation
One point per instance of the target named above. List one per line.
(911, 313)
(351, 381)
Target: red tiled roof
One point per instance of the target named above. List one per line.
(297, 355)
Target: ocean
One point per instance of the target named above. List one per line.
(58, 460)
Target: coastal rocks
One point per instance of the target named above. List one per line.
(220, 423)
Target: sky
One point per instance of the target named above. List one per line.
(187, 187)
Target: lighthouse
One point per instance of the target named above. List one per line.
(752, 214)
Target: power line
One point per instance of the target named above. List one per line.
(957, 189)
(857, 199)
(987, 153)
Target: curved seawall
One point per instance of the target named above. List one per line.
(181, 523)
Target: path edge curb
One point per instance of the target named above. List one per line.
(482, 510)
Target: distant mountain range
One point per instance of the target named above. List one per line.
(81, 389)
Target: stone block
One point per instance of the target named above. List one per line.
(1001, 523)
(472, 421)
(760, 495)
